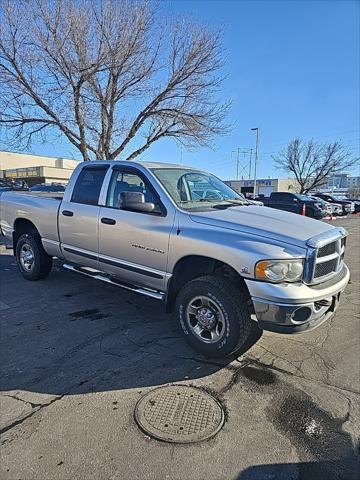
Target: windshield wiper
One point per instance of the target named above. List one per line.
(231, 203)
(236, 201)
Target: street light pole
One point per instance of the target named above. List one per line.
(256, 158)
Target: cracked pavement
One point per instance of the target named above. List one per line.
(77, 355)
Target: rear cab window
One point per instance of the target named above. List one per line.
(88, 185)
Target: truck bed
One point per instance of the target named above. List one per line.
(43, 207)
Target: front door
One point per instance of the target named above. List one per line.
(133, 245)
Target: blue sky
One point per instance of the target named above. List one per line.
(292, 70)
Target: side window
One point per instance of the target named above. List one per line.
(122, 181)
(88, 186)
(286, 197)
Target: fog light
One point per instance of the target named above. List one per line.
(301, 315)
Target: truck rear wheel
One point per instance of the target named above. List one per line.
(214, 315)
(33, 262)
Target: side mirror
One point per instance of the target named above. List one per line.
(135, 202)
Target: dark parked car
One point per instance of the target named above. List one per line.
(347, 205)
(8, 185)
(47, 187)
(294, 202)
(4, 186)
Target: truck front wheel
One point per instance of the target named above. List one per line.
(33, 262)
(214, 316)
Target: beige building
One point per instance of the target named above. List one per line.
(264, 186)
(34, 169)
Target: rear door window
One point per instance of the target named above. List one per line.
(88, 185)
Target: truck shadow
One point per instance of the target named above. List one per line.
(69, 334)
(342, 468)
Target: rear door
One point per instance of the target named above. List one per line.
(79, 216)
(133, 245)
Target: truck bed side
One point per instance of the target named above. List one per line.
(41, 211)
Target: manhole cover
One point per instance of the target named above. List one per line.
(179, 414)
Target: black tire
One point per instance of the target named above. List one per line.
(42, 262)
(231, 301)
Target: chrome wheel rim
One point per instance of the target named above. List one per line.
(27, 258)
(205, 319)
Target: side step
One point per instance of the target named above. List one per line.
(90, 272)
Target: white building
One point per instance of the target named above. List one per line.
(264, 186)
(35, 169)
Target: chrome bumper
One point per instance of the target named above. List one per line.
(294, 318)
(295, 315)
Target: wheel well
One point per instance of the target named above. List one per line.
(21, 226)
(194, 266)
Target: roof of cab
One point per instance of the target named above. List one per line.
(163, 165)
(148, 165)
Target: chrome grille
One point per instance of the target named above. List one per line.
(325, 256)
(325, 268)
(327, 250)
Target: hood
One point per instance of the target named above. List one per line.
(266, 222)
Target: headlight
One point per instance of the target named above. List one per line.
(279, 270)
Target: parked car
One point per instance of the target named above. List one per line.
(356, 205)
(4, 186)
(326, 206)
(295, 203)
(219, 263)
(7, 185)
(347, 205)
(334, 209)
(47, 187)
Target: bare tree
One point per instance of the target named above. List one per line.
(312, 163)
(108, 75)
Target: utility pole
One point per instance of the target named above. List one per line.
(237, 163)
(251, 151)
(256, 157)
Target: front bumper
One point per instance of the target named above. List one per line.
(294, 308)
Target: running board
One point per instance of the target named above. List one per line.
(90, 272)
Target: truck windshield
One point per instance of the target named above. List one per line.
(191, 189)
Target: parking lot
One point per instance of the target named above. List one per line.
(77, 355)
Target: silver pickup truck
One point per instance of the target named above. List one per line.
(181, 235)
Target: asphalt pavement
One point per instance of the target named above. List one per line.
(76, 356)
